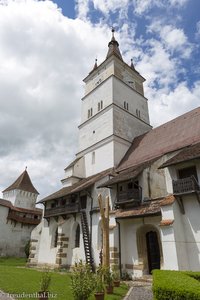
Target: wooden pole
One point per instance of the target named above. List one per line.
(105, 229)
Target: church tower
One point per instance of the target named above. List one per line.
(22, 193)
(114, 111)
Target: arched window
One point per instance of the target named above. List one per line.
(77, 237)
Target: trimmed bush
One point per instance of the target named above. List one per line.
(176, 285)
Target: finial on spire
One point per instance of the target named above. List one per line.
(132, 66)
(113, 46)
(95, 65)
(113, 31)
(25, 168)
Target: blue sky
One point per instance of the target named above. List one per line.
(185, 16)
(48, 47)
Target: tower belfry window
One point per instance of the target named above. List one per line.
(90, 112)
(100, 105)
(125, 105)
(93, 158)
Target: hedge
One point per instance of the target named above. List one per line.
(176, 285)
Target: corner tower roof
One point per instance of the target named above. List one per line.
(23, 183)
(113, 47)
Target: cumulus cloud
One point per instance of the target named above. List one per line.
(174, 39)
(166, 106)
(198, 30)
(43, 59)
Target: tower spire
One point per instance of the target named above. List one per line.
(132, 66)
(113, 46)
(95, 65)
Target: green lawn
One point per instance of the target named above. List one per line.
(15, 278)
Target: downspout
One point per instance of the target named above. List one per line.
(119, 243)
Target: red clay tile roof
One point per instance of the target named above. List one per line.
(127, 174)
(23, 183)
(173, 135)
(166, 222)
(77, 187)
(188, 153)
(149, 208)
(5, 203)
(8, 204)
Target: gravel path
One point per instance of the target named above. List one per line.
(5, 296)
(140, 291)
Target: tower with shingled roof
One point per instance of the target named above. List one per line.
(21, 193)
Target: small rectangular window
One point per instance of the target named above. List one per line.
(93, 158)
(88, 113)
(99, 106)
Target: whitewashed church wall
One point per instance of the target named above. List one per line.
(25, 199)
(191, 229)
(46, 244)
(10, 196)
(101, 93)
(170, 258)
(96, 130)
(120, 149)
(180, 238)
(104, 72)
(122, 92)
(153, 181)
(13, 238)
(127, 126)
(94, 162)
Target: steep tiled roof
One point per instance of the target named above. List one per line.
(127, 174)
(8, 204)
(73, 162)
(149, 208)
(23, 183)
(5, 203)
(113, 47)
(173, 135)
(188, 153)
(79, 186)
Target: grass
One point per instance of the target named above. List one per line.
(15, 278)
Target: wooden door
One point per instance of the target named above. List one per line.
(153, 251)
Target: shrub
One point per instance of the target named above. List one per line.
(45, 280)
(82, 281)
(27, 248)
(176, 285)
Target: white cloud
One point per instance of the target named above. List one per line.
(141, 7)
(82, 8)
(110, 5)
(174, 39)
(198, 29)
(166, 106)
(44, 56)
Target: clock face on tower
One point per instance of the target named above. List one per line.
(98, 80)
(129, 80)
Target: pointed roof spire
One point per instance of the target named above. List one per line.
(132, 66)
(113, 46)
(95, 65)
(23, 183)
